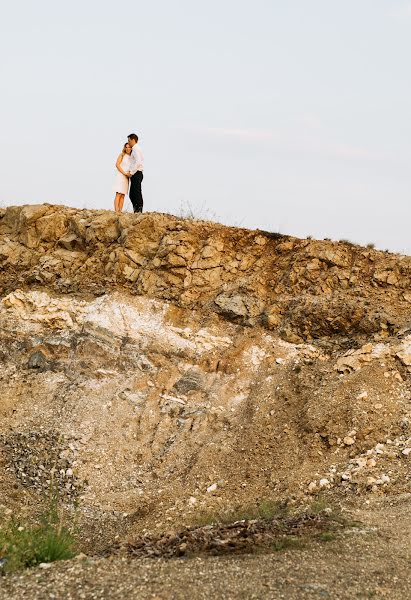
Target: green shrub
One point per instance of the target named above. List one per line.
(25, 545)
(318, 506)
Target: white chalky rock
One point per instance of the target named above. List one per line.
(192, 500)
(385, 478)
(362, 396)
(211, 488)
(324, 482)
(312, 486)
(406, 451)
(69, 473)
(348, 440)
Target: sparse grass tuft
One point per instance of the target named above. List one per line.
(25, 545)
(269, 509)
(196, 213)
(272, 235)
(319, 506)
(287, 542)
(326, 536)
(353, 524)
(347, 242)
(370, 246)
(332, 514)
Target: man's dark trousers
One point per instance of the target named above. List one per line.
(135, 194)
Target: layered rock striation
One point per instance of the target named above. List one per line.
(302, 289)
(153, 367)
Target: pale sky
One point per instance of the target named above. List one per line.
(283, 115)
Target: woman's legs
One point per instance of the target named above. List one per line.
(116, 201)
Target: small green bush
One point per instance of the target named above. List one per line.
(24, 545)
(318, 506)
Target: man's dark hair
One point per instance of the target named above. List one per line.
(133, 136)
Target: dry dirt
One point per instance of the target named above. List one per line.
(158, 371)
(370, 563)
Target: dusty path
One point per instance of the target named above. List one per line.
(367, 564)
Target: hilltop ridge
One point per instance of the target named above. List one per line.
(302, 289)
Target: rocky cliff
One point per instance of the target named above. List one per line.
(301, 289)
(154, 367)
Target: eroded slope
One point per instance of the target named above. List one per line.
(154, 368)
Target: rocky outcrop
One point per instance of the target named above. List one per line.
(302, 289)
(152, 367)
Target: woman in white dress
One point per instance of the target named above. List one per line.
(121, 182)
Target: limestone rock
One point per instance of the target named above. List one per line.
(310, 287)
(212, 488)
(349, 441)
(239, 305)
(232, 305)
(404, 352)
(192, 380)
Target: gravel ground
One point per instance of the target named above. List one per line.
(365, 564)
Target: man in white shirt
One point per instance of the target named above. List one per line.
(136, 173)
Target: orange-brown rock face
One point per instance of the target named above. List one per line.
(157, 367)
(302, 289)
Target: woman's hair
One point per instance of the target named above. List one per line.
(124, 147)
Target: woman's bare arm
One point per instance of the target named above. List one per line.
(118, 163)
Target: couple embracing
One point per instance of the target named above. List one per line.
(130, 165)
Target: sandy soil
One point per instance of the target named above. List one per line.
(373, 562)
